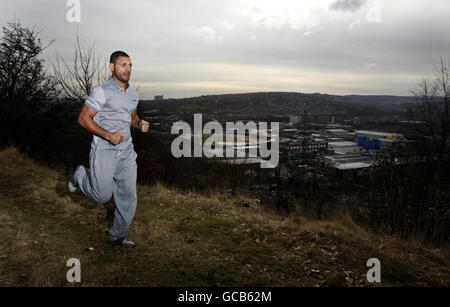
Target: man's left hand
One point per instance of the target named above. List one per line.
(143, 125)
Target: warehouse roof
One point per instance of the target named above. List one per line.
(352, 165)
(342, 144)
(382, 134)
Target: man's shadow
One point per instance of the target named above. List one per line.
(79, 198)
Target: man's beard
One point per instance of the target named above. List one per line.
(120, 78)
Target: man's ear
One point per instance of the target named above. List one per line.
(111, 66)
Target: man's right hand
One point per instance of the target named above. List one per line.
(115, 138)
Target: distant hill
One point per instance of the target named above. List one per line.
(285, 104)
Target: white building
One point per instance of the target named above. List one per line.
(348, 161)
(344, 148)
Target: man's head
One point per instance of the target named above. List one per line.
(120, 65)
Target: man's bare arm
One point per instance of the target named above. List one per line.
(85, 119)
(137, 123)
(134, 120)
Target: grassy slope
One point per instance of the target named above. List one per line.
(186, 239)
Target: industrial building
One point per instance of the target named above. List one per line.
(343, 148)
(338, 133)
(305, 148)
(374, 139)
(378, 135)
(348, 161)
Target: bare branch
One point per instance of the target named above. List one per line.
(85, 72)
(433, 108)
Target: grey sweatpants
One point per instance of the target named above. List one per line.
(112, 172)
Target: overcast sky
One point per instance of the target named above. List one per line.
(188, 48)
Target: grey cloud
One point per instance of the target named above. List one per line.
(167, 60)
(347, 5)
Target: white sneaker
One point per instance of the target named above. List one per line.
(122, 242)
(72, 185)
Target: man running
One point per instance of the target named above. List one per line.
(108, 113)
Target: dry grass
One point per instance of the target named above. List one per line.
(188, 239)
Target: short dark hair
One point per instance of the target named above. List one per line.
(115, 55)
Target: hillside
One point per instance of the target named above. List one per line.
(188, 239)
(285, 104)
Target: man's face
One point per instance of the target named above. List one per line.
(121, 69)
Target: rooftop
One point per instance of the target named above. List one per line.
(352, 165)
(337, 130)
(383, 134)
(342, 144)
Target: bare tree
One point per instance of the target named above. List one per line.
(25, 87)
(430, 112)
(87, 70)
(23, 78)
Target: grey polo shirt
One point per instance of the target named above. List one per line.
(113, 107)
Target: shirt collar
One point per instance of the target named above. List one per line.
(115, 84)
